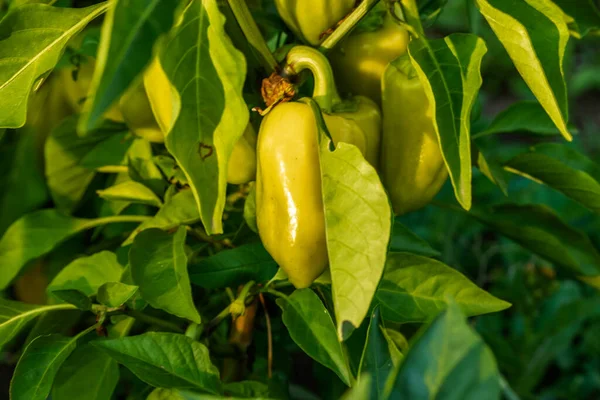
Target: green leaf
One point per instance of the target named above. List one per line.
(584, 14)
(379, 357)
(38, 366)
(362, 390)
(522, 116)
(34, 235)
(246, 389)
(212, 117)
(231, 268)
(88, 374)
(87, 274)
(311, 327)
(75, 297)
(563, 169)
(65, 153)
(535, 35)
(165, 360)
(115, 294)
(34, 38)
(73, 379)
(146, 172)
(449, 70)
(131, 191)
(540, 230)
(178, 210)
(403, 239)
(416, 288)
(129, 31)
(358, 221)
(159, 267)
(447, 361)
(14, 316)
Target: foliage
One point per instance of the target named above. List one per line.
(132, 269)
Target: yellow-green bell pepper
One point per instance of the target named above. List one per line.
(309, 19)
(360, 60)
(412, 166)
(289, 205)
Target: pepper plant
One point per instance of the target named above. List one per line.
(275, 199)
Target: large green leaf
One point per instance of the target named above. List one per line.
(87, 274)
(14, 316)
(33, 39)
(32, 236)
(129, 31)
(449, 70)
(311, 327)
(38, 366)
(65, 154)
(416, 288)
(165, 360)
(73, 379)
(448, 361)
(535, 35)
(159, 267)
(562, 168)
(585, 15)
(231, 268)
(380, 356)
(178, 210)
(115, 294)
(522, 116)
(209, 77)
(358, 221)
(539, 229)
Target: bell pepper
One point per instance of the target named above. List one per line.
(137, 112)
(241, 167)
(76, 81)
(309, 19)
(412, 166)
(289, 206)
(360, 60)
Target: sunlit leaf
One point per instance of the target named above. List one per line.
(535, 35)
(131, 191)
(416, 289)
(449, 70)
(212, 113)
(33, 39)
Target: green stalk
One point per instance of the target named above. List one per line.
(150, 320)
(325, 93)
(349, 23)
(248, 25)
(410, 11)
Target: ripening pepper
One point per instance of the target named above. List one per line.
(241, 167)
(76, 81)
(412, 166)
(309, 19)
(360, 60)
(289, 205)
(138, 116)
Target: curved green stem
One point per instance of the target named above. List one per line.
(248, 25)
(120, 218)
(150, 320)
(325, 93)
(349, 23)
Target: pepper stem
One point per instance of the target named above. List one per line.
(325, 93)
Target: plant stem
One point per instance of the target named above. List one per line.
(349, 23)
(120, 218)
(113, 169)
(303, 57)
(216, 320)
(269, 338)
(253, 34)
(150, 320)
(194, 331)
(410, 9)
